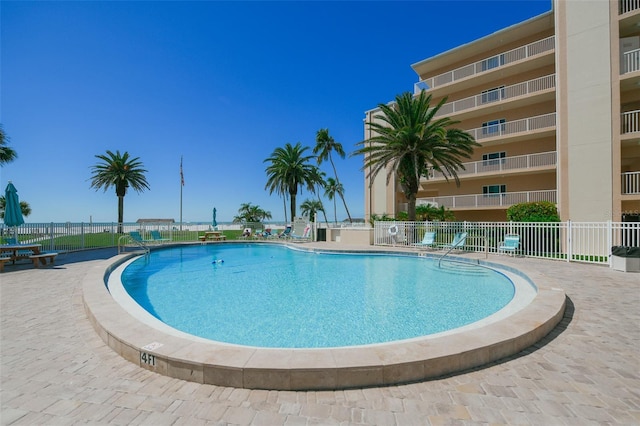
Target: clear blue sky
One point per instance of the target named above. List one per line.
(219, 83)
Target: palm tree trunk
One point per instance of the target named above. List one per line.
(284, 203)
(293, 206)
(120, 212)
(335, 173)
(323, 212)
(346, 208)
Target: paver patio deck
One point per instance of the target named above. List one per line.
(55, 370)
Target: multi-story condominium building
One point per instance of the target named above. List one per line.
(555, 104)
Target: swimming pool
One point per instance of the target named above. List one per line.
(275, 296)
(537, 307)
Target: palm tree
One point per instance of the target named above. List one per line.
(7, 154)
(248, 213)
(121, 171)
(324, 145)
(320, 183)
(331, 189)
(290, 169)
(310, 208)
(25, 208)
(409, 140)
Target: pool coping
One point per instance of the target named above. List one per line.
(236, 366)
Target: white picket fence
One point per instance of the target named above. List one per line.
(588, 242)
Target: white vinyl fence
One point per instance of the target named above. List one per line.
(589, 242)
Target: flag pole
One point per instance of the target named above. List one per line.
(181, 185)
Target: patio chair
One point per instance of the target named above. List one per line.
(459, 240)
(510, 244)
(155, 235)
(136, 237)
(285, 233)
(428, 241)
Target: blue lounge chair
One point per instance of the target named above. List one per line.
(285, 233)
(155, 235)
(459, 240)
(429, 240)
(135, 236)
(510, 244)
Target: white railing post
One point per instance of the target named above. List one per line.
(609, 240)
(569, 241)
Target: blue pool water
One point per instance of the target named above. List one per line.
(274, 296)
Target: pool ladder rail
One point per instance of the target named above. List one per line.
(127, 240)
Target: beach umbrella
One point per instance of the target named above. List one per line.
(214, 222)
(12, 212)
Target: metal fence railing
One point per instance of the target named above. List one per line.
(72, 236)
(588, 242)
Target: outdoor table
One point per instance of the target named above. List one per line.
(14, 249)
(213, 235)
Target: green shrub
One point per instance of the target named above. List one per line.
(539, 211)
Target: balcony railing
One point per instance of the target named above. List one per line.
(520, 162)
(511, 128)
(497, 61)
(497, 95)
(630, 61)
(504, 199)
(631, 183)
(630, 122)
(625, 6)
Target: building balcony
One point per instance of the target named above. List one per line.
(492, 63)
(516, 128)
(630, 62)
(630, 122)
(631, 183)
(489, 201)
(529, 162)
(626, 6)
(500, 96)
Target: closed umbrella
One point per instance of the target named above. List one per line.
(215, 222)
(12, 212)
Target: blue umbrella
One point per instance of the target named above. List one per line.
(12, 211)
(215, 222)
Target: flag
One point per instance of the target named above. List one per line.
(181, 175)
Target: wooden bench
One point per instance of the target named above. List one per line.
(4, 260)
(42, 258)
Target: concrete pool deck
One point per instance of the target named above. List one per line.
(56, 370)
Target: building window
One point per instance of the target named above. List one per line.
(493, 126)
(492, 62)
(492, 95)
(493, 158)
(493, 190)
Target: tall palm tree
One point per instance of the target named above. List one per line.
(409, 140)
(325, 144)
(7, 154)
(311, 208)
(121, 171)
(331, 189)
(289, 169)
